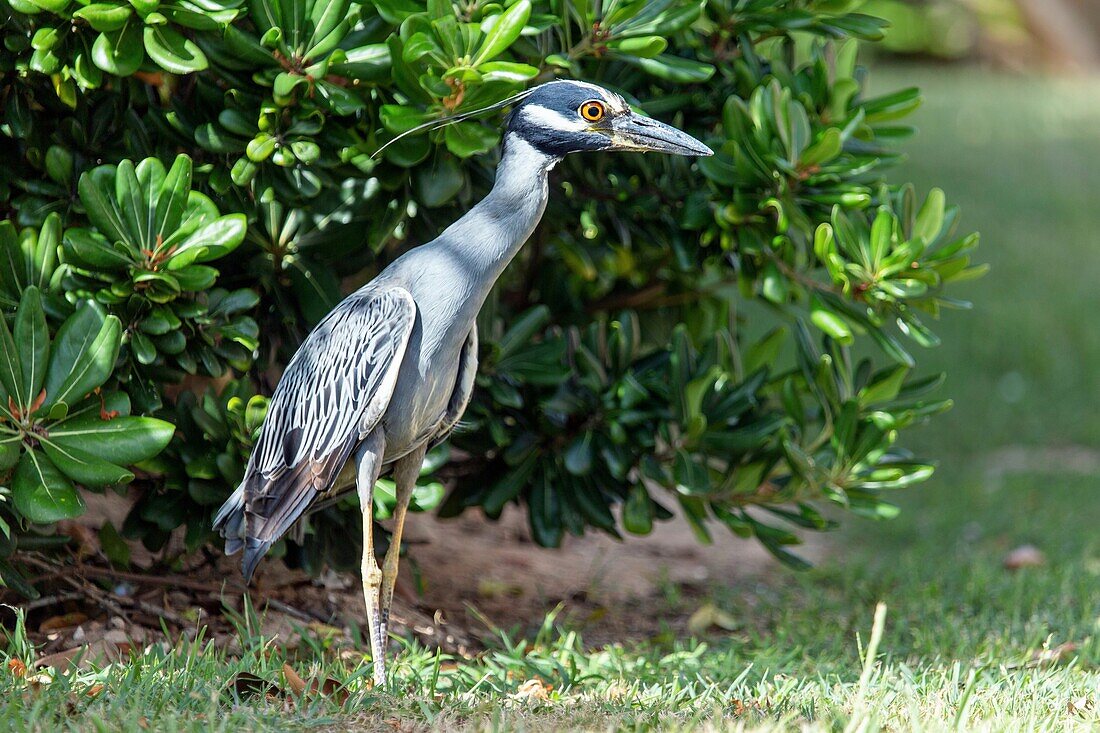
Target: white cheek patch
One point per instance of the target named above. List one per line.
(548, 118)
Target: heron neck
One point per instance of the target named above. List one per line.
(495, 230)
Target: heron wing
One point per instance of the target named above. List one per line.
(464, 388)
(332, 394)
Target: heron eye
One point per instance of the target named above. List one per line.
(592, 111)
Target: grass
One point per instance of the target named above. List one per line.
(962, 644)
(962, 647)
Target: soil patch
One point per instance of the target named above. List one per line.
(460, 579)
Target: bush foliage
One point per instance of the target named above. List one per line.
(189, 185)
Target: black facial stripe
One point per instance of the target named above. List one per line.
(567, 100)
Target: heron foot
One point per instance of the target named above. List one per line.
(372, 581)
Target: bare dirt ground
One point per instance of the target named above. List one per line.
(460, 579)
(613, 589)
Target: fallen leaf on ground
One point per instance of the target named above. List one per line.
(86, 539)
(1061, 653)
(296, 684)
(1024, 556)
(532, 690)
(61, 660)
(17, 668)
(64, 621)
(247, 684)
(709, 616)
(329, 687)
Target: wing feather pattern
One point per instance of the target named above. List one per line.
(333, 393)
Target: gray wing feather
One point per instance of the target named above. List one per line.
(464, 388)
(334, 391)
(339, 382)
(456, 406)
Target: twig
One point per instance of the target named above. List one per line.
(50, 600)
(112, 602)
(165, 580)
(296, 613)
(106, 600)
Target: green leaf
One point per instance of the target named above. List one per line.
(395, 12)
(436, 186)
(216, 239)
(11, 365)
(132, 202)
(104, 17)
(885, 388)
(85, 468)
(638, 511)
(765, 352)
(578, 456)
(421, 44)
(96, 188)
(122, 440)
(84, 355)
(502, 31)
(59, 164)
(10, 577)
(544, 512)
(144, 350)
(172, 52)
(674, 68)
(114, 547)
(929, 220)
(825, 149)
(88, 247)
(882, 235)
(691, 477)
(119, 52)
(507, 71)
(466, 139)
(34, 346)
(325, 16)
(43, 494)
(172, 198)
(11, 447)
(643, 46)
(829, 322)
(523, 328)
(510, 486)
(398, 118)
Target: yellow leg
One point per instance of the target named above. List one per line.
(369, 465)
(405, 473)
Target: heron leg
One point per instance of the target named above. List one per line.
(368, 460)
(405, 472)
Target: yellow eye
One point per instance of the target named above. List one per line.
(592, 111)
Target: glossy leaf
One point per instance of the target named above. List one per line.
(84, 355)
(41, 492)
(121, 440)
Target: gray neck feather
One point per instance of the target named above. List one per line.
(492, 232)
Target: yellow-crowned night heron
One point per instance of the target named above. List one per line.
(388, 373)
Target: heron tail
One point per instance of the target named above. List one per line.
(229, 521)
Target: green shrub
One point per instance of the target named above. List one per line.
(731, 334)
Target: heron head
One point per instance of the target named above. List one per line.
(562, 117)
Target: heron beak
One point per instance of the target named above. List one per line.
(645, 134)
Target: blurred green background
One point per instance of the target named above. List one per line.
(1020, 157)
(1019, 455)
